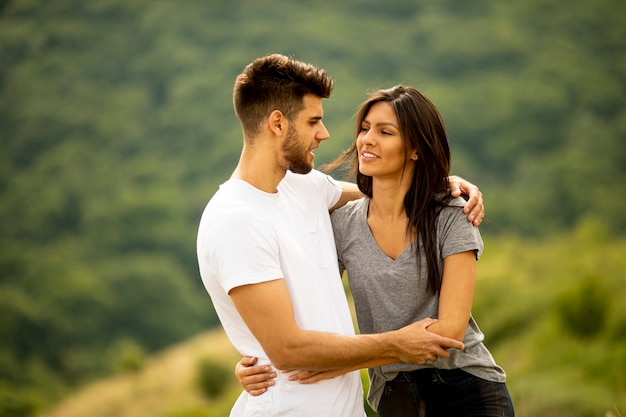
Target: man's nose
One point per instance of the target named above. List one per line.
(323, 134)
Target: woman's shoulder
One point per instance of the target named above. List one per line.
(452, 212)
(456, 202)
(353, 207)
(350, 213)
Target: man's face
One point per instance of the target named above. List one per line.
(304, 135)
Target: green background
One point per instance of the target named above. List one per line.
(116, 127)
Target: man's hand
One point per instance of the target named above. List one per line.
(254, 379)
(474, 205)
(417, 345)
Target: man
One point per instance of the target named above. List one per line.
(267, 255)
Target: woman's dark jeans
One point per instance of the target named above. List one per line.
(444, 393)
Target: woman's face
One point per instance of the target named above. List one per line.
(380, 145)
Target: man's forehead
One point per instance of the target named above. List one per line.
(312, 106)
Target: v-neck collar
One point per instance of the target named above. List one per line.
(372, 241)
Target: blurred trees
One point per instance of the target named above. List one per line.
(116, 127)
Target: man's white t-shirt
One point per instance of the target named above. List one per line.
(247, 236)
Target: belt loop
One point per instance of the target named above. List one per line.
(421, 408)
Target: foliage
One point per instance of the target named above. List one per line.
(551, 372)
(166, 386)
(212, 377)
(583, 309)
(116, 127)
(18, 403)
(565, 348)
(127, 356)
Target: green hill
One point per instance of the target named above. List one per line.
(552, 313)
(166, 386)
(116, 127)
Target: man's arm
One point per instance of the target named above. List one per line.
(474, 205)
(458, 187)
(349, 192)
(267, 310)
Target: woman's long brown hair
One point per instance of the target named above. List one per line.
(423, 131)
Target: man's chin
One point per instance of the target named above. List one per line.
(301, 169)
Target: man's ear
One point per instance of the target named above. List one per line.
(277, 122)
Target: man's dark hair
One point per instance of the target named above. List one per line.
(276, 82)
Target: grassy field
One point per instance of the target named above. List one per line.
(552, 311)
(165, 387)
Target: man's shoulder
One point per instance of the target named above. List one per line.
(311, 178)
(232, 204)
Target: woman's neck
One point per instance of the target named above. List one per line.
(387, 202)
(387, 220)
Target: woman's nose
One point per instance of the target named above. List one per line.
(367, 137)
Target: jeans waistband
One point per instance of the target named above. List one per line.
(425, 375)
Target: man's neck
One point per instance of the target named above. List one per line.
(260, 170)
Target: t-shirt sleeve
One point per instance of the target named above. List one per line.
(456, 233)
(243, 249)
(330, 190)
(339, 220)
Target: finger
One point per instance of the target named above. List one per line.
(477, 214)
(255, 370)
(258, 377)
(298, 376)
(475, 208)
(455, 189)
(302, 375)
(257, 392)
(427, 322)
(473, 196)
(248, 360)
(258, 389)
(313, 378)
(441, 353)
(321, 375)
(451, 344)
(259, 385)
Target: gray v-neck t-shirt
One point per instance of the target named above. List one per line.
(390, 294)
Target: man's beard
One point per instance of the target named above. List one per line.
(296, 155)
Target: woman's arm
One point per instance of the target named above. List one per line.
(309, 377)
(456, 295)
(254, 379)
(257, 379)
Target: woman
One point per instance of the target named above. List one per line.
(410, 253)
